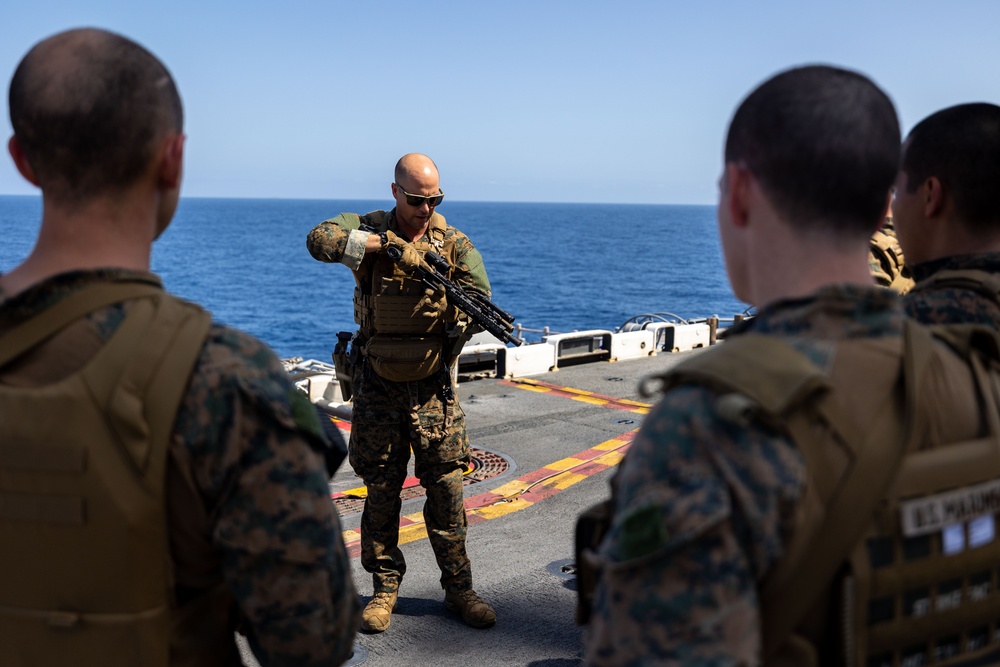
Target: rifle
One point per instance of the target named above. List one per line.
(477, 306)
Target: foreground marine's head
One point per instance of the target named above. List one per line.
(90, 111)
(815, 148)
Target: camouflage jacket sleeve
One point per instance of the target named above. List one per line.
(702, 511)
(328, 240)
(256, 457)
(470, 272)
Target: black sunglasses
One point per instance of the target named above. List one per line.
(418, 200)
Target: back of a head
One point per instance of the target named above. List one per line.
(960, 146)
(88, 108)
(823, 143)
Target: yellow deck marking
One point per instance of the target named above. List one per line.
(536, 388)
(565, 480)
(412, 533)
(610, 459)
(565, 464)
(592, 400)
(494, 511)
(610, 444)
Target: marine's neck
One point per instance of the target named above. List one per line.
(103, 233)
(411, 232)
(786, 263)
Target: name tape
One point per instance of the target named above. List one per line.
(932, 513)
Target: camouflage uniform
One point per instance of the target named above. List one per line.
(274, 538)
(391, 418)
(952, 304)
(704, 507)
(886, 261)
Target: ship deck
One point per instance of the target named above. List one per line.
(546, 447)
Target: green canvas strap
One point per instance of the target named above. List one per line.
(157, 358)
(45, 324)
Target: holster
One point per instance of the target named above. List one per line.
(591, 527)
(344, 361)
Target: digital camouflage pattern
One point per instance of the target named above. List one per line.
(391, 418)
(257, 462)
(951, 304)
(885, 259)
(704, 507)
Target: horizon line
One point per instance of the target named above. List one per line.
(370, 199)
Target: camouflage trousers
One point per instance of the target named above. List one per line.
(389, 420)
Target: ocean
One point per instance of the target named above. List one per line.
(563, 266)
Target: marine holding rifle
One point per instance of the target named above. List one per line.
(403, 389)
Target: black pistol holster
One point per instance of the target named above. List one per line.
(345, 360)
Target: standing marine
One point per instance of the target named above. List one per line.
(818, 490)
(948, 215)
(403, 356)
(162, 483)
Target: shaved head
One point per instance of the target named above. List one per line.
(824, 144)
(89, 109)
(414, 166)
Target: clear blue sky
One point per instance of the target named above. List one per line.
(521, 100)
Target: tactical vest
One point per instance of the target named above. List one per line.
(914, 584)
(401, 320)
(887, 261)
(85, 554)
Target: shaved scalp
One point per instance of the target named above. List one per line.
(412, 163)
(89, 109)
(960, 146)
(823, 143)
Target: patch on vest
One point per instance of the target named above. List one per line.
(642, 533)
(933, 513)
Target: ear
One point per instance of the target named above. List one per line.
(172, 161)
(933, 193)
(21, 161)
(392, 186)
(736, 196)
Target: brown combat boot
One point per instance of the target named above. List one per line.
(378, 612)
(474, 610)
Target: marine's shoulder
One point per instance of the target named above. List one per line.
(234, 360)
(451, 232)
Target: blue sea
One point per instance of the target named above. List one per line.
(563, 266)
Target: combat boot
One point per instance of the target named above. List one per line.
(474, 610)
(378, 612)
